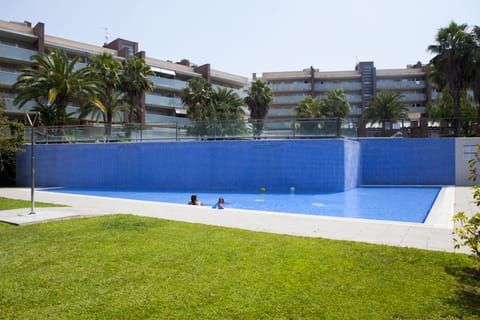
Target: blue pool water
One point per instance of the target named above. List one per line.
(407, 204)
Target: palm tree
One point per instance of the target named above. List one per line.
(134, 83)
(453, 50)
(475, 79)
(309, 108)
(335, 106)
(109, 101)
(53, 82)
(228, 104)
(196, 95)
(214, 112)
(226, 111)
(385, 107)
(258, 99)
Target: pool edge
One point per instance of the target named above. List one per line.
(443, 209)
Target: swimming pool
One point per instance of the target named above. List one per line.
(406, 204)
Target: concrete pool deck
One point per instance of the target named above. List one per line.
(434, 234)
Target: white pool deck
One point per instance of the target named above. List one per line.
(434, 234)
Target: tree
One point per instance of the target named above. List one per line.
(213, 112)
(11, 141)
(385, 107)
(196, 95)
(227, 105)
(109, 99)
(475, 62)
(468, 228)
(442, 106)
(335, 106)
(134, 83)
(468, 114)
(53, 82)
(453, 50)
(442, 110)
(222, 104)
(223, 114)
(309, 110)
(258, 99)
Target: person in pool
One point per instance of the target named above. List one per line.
(220, 203)
(194, 201)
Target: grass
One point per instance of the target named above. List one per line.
(8, 204)
(130, 267)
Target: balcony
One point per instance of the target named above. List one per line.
(293, 99)
(80, 65)
(158, 118)
(27, 107)
(353, 98)
(168, 84)
(241, 92)
(7, 79)
(292, 86)
(400, 84)
(157, 100)
(281, 112)
(407, 97)
(15, 54)
(418, 109)
(355, 111)
(344, 85)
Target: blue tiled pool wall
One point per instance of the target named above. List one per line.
(310, 165)
(408, 161)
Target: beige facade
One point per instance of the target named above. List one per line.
(359, 86)
(20, 41)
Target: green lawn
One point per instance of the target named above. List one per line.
(129, 267)
(7, 204)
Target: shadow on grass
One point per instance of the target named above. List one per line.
(467, 300)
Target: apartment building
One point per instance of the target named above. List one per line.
(359, 85)
(20, 41)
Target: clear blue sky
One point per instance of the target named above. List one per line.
(248, 36)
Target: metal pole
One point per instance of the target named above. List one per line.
(33, 172)
(32, 142)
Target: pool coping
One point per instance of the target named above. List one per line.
(443, 209)
(434, 234)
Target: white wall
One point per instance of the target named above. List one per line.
(464, 151)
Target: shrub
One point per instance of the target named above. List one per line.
(468, 232)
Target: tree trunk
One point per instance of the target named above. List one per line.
(456, 111)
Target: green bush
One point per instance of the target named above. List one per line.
(468, 232)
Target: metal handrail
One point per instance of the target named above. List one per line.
(299, 128)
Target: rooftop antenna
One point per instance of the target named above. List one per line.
(107, 35)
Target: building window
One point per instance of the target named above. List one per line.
(129, 48)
